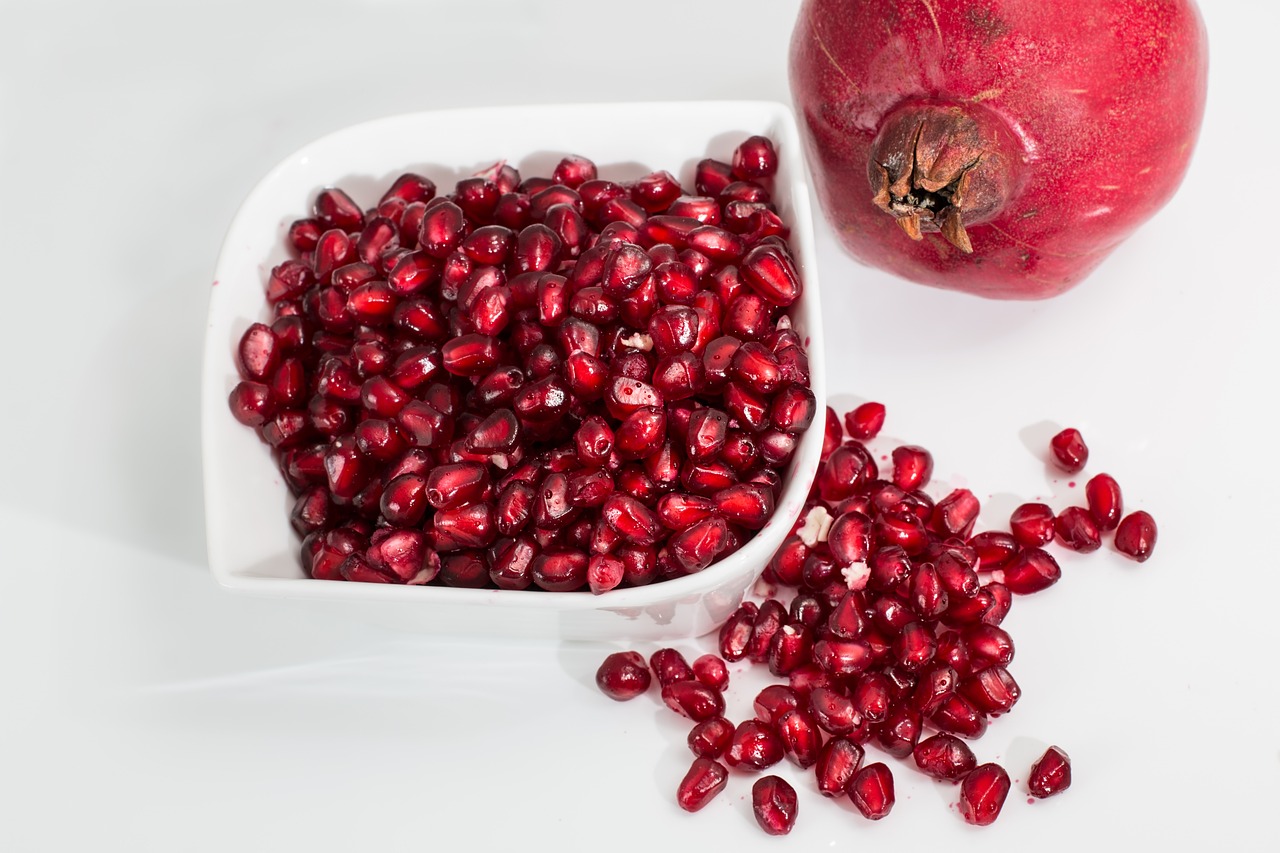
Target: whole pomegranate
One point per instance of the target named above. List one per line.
(1000, 147)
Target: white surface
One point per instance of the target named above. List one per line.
(250, 550)
(147, 709)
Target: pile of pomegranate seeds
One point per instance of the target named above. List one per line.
(559, 382)
(890, 641)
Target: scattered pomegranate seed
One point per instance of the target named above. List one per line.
(1105, 502)
(864, 422)
(982, 794)
(894, 635)
(705, 779)
(1032, 525)
(1051, 774)
(711, 738)
(711, 671)
(871, 791)
(945, 757)
(1136, 536)
(1069, 450)
(775, 804)
(623, 675)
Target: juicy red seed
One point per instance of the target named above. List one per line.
(411, 188)
(573, 171)
(801, 738)
(735, 633)
(944, 757)
(955, 514)
(1105, 502)
(775, 804)
(771, 274)
(304, 234)
(669, 666)
(694, 700)
(912, 467)
(712, 176)
(754, 746)
(711, 671)
(1051, 774)
(774, 701)
(335, 209)
(623, 675)
(992, 691)
(995, 550)
(987, 645)
(834, 712)
(711, 738)
(864, 422)
(871, 791)
(1136, 536)
(259, 352)
(1069, 450)
(982, 794)
(838, 763)
(1032, 524)
(1076, 529)
(559, 570)
(755, 158)
(705, 779)
(747, 505)
(697, 547)
(790, 649)
(251, 403)
(1031, 571)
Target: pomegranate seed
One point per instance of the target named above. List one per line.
(800, 736)
(955, 514)
(837, 765)
(693, 699)
(1031, 571)
(251, 403)
(711, 738)
(992, 691)
(623, 675)
(1136, 536)
(774, 701)
(775, 804)
(1069, 450)
(833, 711)
(669, 666)
(790, 648)
(944, 757)
(1032, 524)
(755, 158)
(1105, 503)
(736, 632)
(705, 779)
(899, 732)
(1076, 529)
(995, 550)
(711, 671)
(871, 791)
(335, 209)
(982, 794)
(754, 746)
(864, 422)
(912, 467)
(1051, 774)
(410, 188)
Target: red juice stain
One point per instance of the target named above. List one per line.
(1071, 484)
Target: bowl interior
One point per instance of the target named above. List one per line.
(251, 545)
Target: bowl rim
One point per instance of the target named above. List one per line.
(795, 488)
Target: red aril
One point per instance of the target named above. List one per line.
(1051, 774)
(982, 794)
(1136, 536)
(705, 779)
(774, 803)
(871, 791)
(623, 675)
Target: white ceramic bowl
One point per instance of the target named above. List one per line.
(251, 546)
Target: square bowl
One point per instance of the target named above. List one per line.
(251, 545)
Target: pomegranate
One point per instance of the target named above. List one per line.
(1002, 148)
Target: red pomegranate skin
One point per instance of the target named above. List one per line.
(1084, 117)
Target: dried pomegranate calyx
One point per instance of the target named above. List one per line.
(942, 167)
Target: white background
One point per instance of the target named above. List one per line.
(144, 708)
